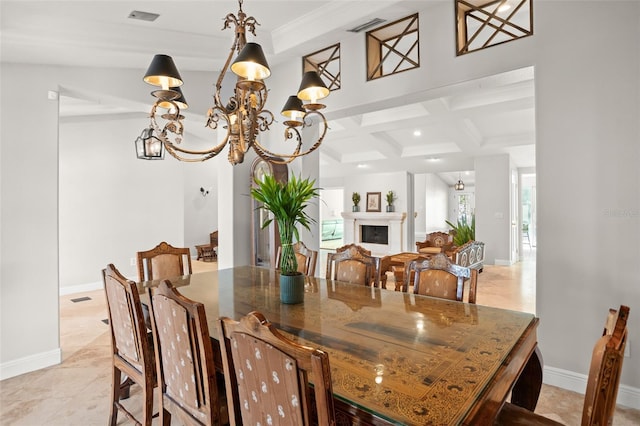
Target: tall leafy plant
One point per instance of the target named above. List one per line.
(463, 231)
(287, 203)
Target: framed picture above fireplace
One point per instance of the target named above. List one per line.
(373, 201)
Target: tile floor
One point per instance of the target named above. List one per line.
(76, 392)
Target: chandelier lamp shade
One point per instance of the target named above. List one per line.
(243, 116)
(459, 186)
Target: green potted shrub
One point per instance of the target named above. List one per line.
(355, 197)
(391, 197)
(463, 231)
(287, 203)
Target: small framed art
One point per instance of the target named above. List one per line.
(373, 201)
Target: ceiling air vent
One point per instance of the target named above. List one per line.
(367, 25)
(143, 16)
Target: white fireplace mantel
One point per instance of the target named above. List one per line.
(353, 234)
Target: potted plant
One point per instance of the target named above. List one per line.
(355, 197)
(287, 203)
(463, 231)
(391, 197)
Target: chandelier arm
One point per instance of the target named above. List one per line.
(173, 125)
(270, 157)
(289, 133)
(223, 72)
(171, 150)
(174, 150)
(287, 158)
(212, 151)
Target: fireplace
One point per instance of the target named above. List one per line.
(380, 232)
(374, 234)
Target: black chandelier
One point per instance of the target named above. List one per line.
(243, 115)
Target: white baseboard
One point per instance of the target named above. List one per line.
(503, 262)
(81, 288)
(627, 396)
(30, 363)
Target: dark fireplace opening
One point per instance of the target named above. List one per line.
(374, 234)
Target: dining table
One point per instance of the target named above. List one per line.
(396, 358)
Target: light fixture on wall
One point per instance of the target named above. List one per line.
(204, 192)
(459, 186)
(243, 115)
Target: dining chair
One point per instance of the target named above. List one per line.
(437, 276)
(163, 261)
(352, 266)
(435, 242)
(306, 258)
(184, 360)
(350, 247)
(267, 376)
(602, 383)
(131, 349)
(208, 252)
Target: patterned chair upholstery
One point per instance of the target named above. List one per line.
(351, 265)
(436, 242)
(267, 376)
(185, 360)
(132, 352)
(438, 277)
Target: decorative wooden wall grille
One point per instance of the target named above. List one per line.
(327, 63)
(481, 23)
(393, 48)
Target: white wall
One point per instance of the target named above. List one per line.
(112, 204)
(200, 212)
(332, 203)
(493, 223)
(436, 204)
(419, 196)
(587, 115)
(29, 337)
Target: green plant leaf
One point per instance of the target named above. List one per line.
(464, 232)
(287, 203)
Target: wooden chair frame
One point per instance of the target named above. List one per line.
(317, 406)
(354, 247)
(207, 252)
(441, 262)
(602, 383)
(132, 354)
(197, 342)
(354, 253)
(145, 268)
(308, 267)
(439, 239)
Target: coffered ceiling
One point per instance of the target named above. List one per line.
(442, 134)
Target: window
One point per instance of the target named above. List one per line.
(393, 48)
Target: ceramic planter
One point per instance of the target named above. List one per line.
(292, 289)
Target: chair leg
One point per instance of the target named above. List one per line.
(125, 386)
(165, 417)
(147, 411)
(115, 395)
